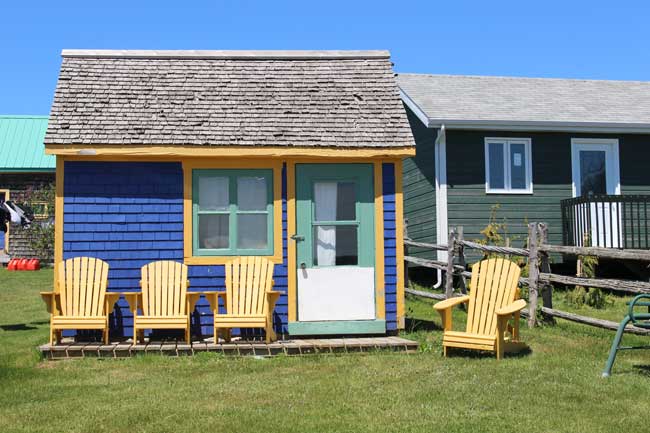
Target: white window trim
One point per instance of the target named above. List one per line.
(506, 164)
(613, 174)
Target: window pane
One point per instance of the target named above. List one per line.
(593, 179)
(518, 166)
(335, 245)
(495, 155)
(335, 201)
(252, 193)
(213, 231)
(213, 193)
(252, 231)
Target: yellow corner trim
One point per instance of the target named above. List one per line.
(58, 216)
(92, 151)
(188, 166)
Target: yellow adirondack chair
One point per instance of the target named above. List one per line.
(164, 300)
(249, 298)
(492, 302)
(79, 299)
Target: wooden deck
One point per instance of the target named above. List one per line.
(70, 349)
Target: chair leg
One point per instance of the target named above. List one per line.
(502, 325)
(187, 335)
(105, 335)
(228, 335)
(135, 334)
(52, 335)
(444, 351)
(614, 349)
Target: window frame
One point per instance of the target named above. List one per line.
(233, 212)
(234, 168)
(507, 175)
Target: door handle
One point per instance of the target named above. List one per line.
(297, 238)
(303, 266)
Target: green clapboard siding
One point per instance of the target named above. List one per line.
(469, 205)
(419, 187)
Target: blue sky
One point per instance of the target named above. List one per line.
(574, 39)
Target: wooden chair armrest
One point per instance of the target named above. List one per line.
(130, 297)
(451, 302)
(212, 297)
(512, 308)
(50, 300)
(272, 297)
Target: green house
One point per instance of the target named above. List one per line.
(25, 170)
(571, 153)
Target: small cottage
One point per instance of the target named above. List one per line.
(26, 178)
(203, 156)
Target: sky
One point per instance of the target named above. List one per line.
(549, 38)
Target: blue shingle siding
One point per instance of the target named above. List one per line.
(131, 213)
(390, 262)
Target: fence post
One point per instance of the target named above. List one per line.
(545, 266)
(406, 253)
(449, 276)
(533, 273)
(461, 258)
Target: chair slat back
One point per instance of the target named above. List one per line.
(164, 288)
(82, 283)
(493, 285)
(247, 280)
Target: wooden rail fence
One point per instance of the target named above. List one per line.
(540, 279)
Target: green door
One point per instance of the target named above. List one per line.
(335, 246)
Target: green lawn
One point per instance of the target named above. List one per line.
(557, 387)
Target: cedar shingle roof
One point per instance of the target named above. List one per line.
(457, 99)
(317, 98)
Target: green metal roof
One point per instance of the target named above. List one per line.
(21, 144)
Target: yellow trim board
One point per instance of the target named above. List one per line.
(58, 217)
(399, 244)
(188, 166)
(292, 289)
(380, 292)
(92, 151)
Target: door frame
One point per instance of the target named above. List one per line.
(612, 160)
(380, 299)
(6, 245)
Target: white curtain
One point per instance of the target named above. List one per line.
(213, 193)
(325, 198)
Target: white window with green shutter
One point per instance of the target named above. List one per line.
(232, 212)
(508, 166)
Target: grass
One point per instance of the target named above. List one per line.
(557, 387)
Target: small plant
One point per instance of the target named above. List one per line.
(592, 296)
(40, 235)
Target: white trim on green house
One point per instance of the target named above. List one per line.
(442, 226)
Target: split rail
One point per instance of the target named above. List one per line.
(540, 279)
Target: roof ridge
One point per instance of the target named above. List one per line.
(526, 78)
(230, 54)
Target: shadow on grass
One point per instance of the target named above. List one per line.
(23, 326)
(643, 369)
(414, 325)
(464, 353)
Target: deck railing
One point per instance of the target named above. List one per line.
(609, 221)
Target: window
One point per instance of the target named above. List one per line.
(508, 165)
(232, 212)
